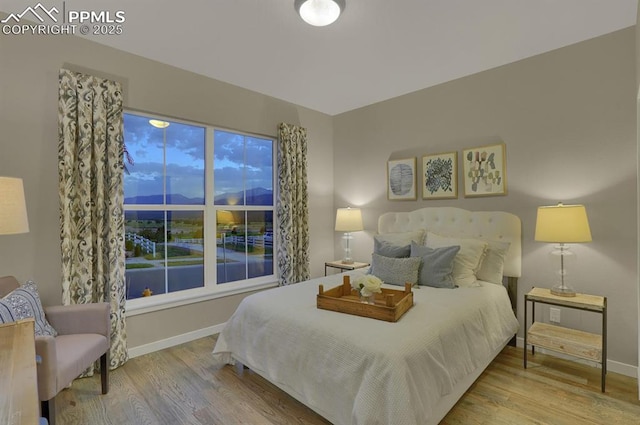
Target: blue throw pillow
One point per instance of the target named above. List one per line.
(387, 249)
(437, 265)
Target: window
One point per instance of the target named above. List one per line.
(243, 195)
(195, 197)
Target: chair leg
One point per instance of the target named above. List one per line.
(104, 372)
(48, 410)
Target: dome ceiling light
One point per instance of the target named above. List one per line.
(159, 124)
(319, 12)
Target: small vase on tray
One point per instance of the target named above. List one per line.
(367, 299)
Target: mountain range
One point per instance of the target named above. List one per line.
(255, 196)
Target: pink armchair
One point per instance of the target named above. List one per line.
(83, 337)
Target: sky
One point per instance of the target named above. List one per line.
(185, 164)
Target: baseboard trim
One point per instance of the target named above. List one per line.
(174, 340)
(612, 365)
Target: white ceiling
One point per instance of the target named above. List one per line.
(378, 49)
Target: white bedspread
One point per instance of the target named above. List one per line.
(356, 370)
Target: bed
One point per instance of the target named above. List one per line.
(356, 370)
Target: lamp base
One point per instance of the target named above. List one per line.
(563, 291)
(346, 258)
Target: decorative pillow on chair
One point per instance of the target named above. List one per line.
(468, 259)
(437, 265)
(25, 302)
(6, 312)
(388, 249)
(395, 271)
(492, 265)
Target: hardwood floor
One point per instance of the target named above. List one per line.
(179, 386)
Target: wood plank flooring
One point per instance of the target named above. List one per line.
(179, 386)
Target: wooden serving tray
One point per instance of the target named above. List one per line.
(390, 305)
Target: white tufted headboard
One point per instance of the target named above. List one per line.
(450, 221)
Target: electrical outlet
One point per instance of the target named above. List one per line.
(554, 315)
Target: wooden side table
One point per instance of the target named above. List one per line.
(338, 264)
(18, 374)
(572, 342)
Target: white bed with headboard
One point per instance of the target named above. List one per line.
(356, 370)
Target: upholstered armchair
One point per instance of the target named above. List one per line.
(82, 338)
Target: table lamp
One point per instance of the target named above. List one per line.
(13, 209)
(348, 220)
(562, 224)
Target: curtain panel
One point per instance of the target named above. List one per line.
(292, 205)
(91, 193)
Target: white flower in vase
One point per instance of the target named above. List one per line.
(368, 285)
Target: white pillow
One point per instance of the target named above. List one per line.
(468, 259)
(492, 265)
(402, 238)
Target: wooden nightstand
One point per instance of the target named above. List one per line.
(583, 345)
(338, 264)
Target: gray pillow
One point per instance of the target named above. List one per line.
(388, 249)
(395, 271)
(437, 265)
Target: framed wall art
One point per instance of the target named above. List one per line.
(485, 171)
(440, 176)
(401, 179)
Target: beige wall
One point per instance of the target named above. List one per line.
(638, 45)
(28, 149)
(568, 120)
(638, 160)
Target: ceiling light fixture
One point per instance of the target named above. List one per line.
(319, 12)
(159, 124)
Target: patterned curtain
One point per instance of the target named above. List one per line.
(90, 171)
(292, 205)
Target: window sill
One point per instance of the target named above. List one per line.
(176, 299)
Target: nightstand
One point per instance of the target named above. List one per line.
(575, 343)
(338, 264)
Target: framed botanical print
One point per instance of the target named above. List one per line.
(485, 171)
(401, 179)
(440, 176)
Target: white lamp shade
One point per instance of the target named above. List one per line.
(348, 220)
(319, 13)
(13, 209)
(562, 224)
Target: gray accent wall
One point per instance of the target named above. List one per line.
(568, 119)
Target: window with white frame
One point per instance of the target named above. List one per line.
(199, 206)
